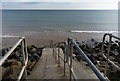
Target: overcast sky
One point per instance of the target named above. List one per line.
(60, 4)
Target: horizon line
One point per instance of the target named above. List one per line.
(59, 9)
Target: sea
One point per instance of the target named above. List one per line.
(26, 22)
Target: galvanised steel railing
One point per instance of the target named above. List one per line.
(68, 47)
(108, 52)
(67, 58)
(23, 44)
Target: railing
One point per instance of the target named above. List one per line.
(108, 52)
(67, 58)
(68, 47)
(58, 54)
(25, 56)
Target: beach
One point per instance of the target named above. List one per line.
(44, 38)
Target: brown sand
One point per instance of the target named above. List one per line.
(44, 38)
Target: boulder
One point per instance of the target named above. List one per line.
(12, 71)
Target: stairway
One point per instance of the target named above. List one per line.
(47, 68)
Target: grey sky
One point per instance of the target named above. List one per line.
(59, 0)
(60, 4)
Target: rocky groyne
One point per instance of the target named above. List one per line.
(92, 49)
(13, 65)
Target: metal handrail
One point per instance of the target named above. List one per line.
(93, 67)
(65, 58)
(108, 52)
(68, 53)
(25, 56)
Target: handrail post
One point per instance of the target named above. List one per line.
(108, 52)
(25, 59)
(67, 52)
(65, 49)
(51, 43)
(58, 55)
(23, 52)
(26, 52)
(70, 54)
(64, 59)
(55, 52)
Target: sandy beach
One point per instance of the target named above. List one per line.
(44, 38)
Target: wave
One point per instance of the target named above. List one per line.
(8, 36)
(77, 31)
(35, 32)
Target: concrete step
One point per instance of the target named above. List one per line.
(46, 68)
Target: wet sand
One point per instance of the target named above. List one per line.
(44, 38)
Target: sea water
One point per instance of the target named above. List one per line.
(31, 21)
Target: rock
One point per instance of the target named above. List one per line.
(114, 75)
(101, 69)
(96, 43)
(73, 55)
(62, 47)
(92, 40)
(7, 49)
(39, 51)
(119, 43)
(16, 70)
(31, 66)
(101, 58)
(6, 72)
(92, 58)
(13, 56)
(12, 71)
(114, 46)
(116, 41)
(18, 48)
(31, 49)
(28, 72)
(78, 57)
(3, 52)
(34, 49)
(35, 56)
(6, 64)
(82, 41)
(14, 63)
(33, 46)
(32, 59)
(29, 56)
(97, 50)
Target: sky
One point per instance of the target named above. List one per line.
(60, 4)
